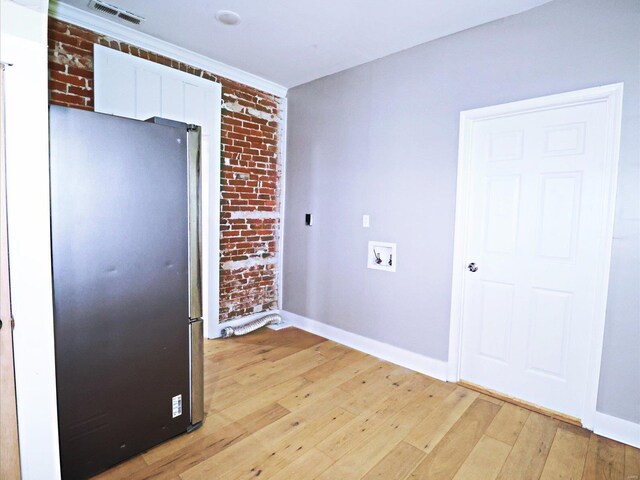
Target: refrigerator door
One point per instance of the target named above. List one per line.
(194, 133)
(119, 227)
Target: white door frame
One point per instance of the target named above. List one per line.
(612, 96)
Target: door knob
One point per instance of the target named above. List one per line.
(472, 267)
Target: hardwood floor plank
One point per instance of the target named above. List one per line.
(261, 418)
(316, 388)
(308, 466)
(331, 349)
(213, 422)
(567, 456)
(359, 460)
(631, 463)
(212, 466)
(362, 381)
(367, 394)
(582, 432)
(485, 460)
(195, 453)
(605, 459)
(488, 398)
(432, 429)
(287, 448)
(397, 464)
(344, 360)
(365, 425)
(508, 423)
(123, 470)
(264, 398)
(450, 453)
(180, 449)
(529, 452)
(266, 442)
(291, 366)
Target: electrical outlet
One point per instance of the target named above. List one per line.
(365, 221)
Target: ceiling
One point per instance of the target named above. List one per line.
(291, 42)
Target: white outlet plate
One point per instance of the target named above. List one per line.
(365, 221)
(385, 252)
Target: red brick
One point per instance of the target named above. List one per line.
(57, 97)
(80, 72)
(57, 86)
(69, 79)
(80, 91)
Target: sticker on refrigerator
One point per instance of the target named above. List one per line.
(176, 406)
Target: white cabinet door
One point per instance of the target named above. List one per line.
(131, 87)
(536, 204)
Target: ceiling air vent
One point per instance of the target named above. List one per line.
(115, 11)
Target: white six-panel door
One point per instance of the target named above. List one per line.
(132, 87)
(538, 193)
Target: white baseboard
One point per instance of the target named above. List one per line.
(217, 332)
(399, 356)
(617, 429)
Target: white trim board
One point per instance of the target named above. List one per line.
(27, 176)
(411, 360)
(617, 429)
(104, 26)
(283, 196)
(612, 95)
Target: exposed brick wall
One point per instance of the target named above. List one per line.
(250, 164)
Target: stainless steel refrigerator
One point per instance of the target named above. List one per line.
(125, 239)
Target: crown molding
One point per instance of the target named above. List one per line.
(103, 26)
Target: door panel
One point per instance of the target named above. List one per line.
(559, 211)
(501, 230)
(121, 92)
(536, 206)
(549, 328)
(148, 94)
(497, 311)
(172, 99)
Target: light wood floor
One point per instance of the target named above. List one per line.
(289, 405)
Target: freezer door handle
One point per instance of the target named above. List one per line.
(197, 372)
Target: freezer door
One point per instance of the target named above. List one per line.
(119, 231)
(194, 134)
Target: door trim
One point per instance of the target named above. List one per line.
(612, 96)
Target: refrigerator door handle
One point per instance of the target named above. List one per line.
(197, 373)
(195, 222)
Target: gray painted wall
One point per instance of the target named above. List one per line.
(382, 139)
